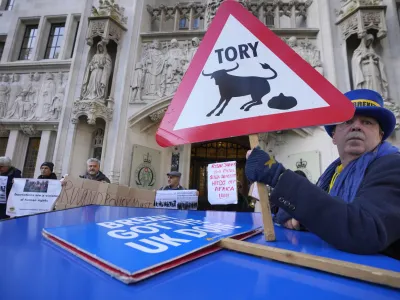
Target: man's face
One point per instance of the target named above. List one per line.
(93, 168)
(45, 170)
(357, 136)
(173, 180)
(4, 169)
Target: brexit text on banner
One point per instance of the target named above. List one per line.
(79, 192)
(136, 248)
(177, 199)
(32, 196)
(3, 189)
(244, 80)
(222, 183)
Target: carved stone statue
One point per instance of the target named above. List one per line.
(97, 75)
(153, 66)
(47, 93)
(308, 52)
(34, 95)
(174, 71)
(195, 42)
(21, 108)
(138, 82)
(15, 90)
(4, 95)
(368, 68)
(53, 108)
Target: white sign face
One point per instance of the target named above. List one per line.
(277, 90)
(222, 183)
(32, 196)
(307, 162)
(177, 199)
(3, 188)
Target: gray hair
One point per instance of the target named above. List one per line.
(5, 161)
(93, 160)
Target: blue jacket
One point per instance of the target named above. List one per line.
(368, 225)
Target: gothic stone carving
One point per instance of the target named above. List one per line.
(368, 69)
(92, 110)
(307, 51)
(107, 22)
(358, 16)
(392, 106)
(29, 130)
(301, 7)
(161, 68)
(32, 97)
(110, 9)
(211, 10)
(97, 75)
(158, 115)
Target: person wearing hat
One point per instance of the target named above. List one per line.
(355, 205)
(174, 178)
(46, 171)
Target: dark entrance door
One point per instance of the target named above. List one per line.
(233, 149)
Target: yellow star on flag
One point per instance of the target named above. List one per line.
(270, 162)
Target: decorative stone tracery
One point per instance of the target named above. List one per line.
(359, 16)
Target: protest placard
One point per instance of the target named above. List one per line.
(136, 248)
(222, 187)
(177, 199)
(79, 192)
(3, 189)
(32, 196)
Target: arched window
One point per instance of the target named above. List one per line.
(183, 23)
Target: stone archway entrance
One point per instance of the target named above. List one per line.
(202, 154)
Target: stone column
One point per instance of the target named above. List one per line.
(16, 148)
(43, 151)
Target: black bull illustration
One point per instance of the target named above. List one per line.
(236, 86)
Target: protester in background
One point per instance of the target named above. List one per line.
(355, 205)
(93, 171)
(46, 170)
(243, 203)
(6, 169)
(174, 178)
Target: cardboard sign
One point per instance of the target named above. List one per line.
(3, 189)
(244, 80)
(80, 192)
(32, 196)
(136, 248)
(222, 186)
(177, 199)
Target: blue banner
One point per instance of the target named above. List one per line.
(136, 244)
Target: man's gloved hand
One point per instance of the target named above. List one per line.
(263, 168)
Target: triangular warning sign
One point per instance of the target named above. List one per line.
(244, 79)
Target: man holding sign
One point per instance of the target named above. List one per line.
(355, 205)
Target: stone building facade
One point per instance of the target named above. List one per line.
(92, 78)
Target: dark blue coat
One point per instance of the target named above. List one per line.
(368, 225)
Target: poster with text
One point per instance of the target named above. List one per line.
(32, 196)
(222, 187)
(135, 248)
(3, 188)
(177, 199)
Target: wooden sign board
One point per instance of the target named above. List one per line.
(79, 192)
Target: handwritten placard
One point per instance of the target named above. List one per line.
(222, 188)
(80, 192)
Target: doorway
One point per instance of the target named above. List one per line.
(232, 149)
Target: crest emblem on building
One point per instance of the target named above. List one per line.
(145, 176)
(301, 165)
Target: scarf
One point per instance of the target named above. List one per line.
(348, 182)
